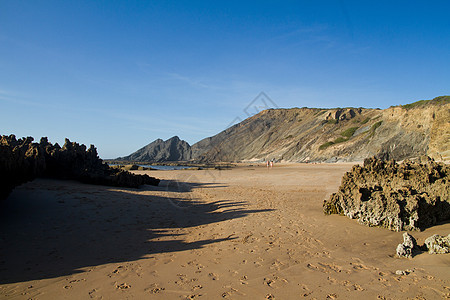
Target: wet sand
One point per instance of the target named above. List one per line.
(245, 233)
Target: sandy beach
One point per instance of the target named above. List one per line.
(245, 233)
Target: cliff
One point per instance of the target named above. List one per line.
(340, 134)
(320, 135)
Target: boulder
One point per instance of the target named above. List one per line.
(408, 246)
(412, 195)
(438, 244)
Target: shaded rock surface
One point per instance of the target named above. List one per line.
(438, 244)
(172, 149)
(406, 196)
(22, 160)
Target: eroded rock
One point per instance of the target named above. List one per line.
(407, 248)
(406, 196)
(22, 160)
(438, 244)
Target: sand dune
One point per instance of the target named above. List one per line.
(245, 233)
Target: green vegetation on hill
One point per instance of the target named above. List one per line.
(349, 132)
(376, 125)
(436, 101)
(330, 143)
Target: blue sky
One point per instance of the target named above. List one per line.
(119, 74)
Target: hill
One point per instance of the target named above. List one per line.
(172, 149)
(320, 135)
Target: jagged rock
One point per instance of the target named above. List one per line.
(22, 160)
(406, 248)
(438, 244)
(407, 196)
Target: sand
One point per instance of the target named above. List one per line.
(245, 233)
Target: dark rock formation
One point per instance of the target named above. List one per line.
(407, 196)
(22, 160)
(173, 149)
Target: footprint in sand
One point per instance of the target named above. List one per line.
(190, 297)
(116, 271)
(93, 294)
(243, 279)
(123, 286)
(154, 289)
(274, 282)
(213, 276)
(231, 292)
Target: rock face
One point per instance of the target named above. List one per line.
(22, 160)
(319, 135)
(406, 248)
(406, 196)
(437, 244)
(172, 149)
(330, 135)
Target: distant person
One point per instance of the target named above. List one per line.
(267, 164)
(271, 164)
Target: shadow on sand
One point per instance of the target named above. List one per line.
(51, 228)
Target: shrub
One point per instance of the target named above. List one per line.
(376, 125)
(325, 145)
(365, 120)
(349, 132)
(340, 140)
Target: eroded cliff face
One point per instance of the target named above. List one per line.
(439, 145)
(318, 135)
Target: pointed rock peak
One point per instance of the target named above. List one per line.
(174, 138)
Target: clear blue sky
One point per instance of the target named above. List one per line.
(119, 74)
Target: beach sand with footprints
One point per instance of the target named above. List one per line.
(245, 233)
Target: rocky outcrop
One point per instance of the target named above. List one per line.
(20, 161)
(23, 160)
(435, 244)
(438, 244)
(172, 149)
(406, 248)
(406, 196)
